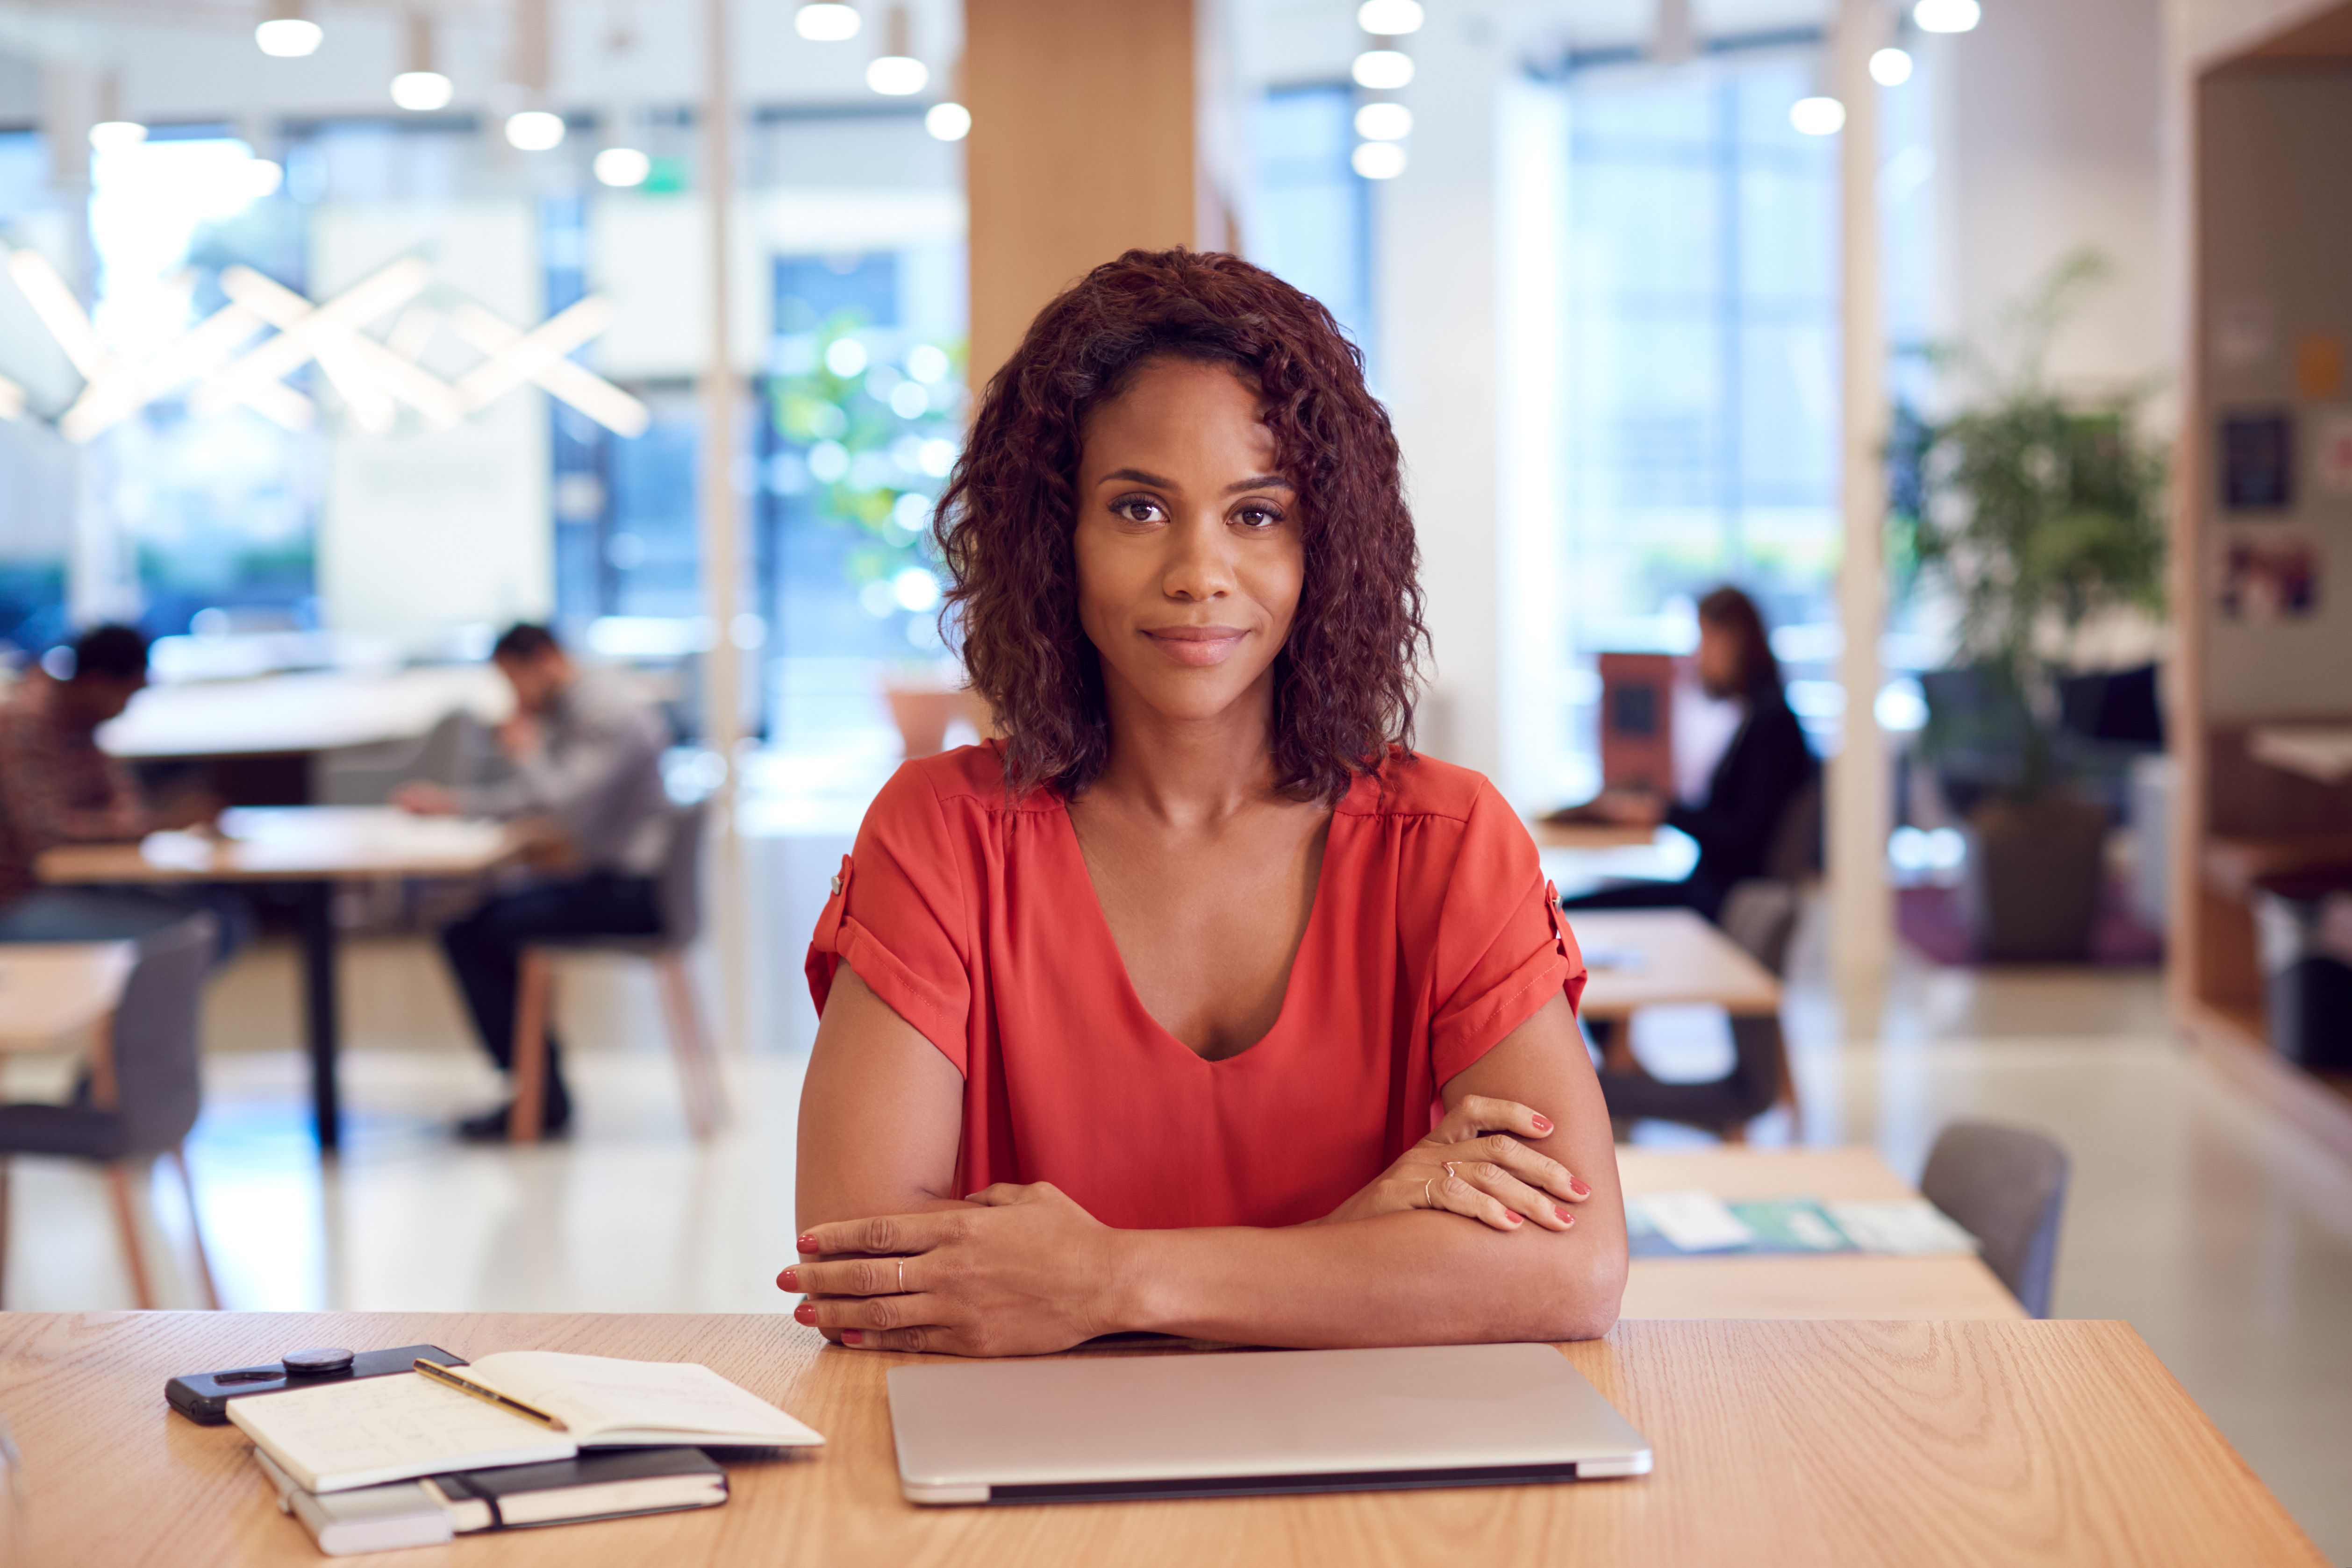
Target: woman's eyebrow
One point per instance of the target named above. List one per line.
(1260, 482)
(1137, 476)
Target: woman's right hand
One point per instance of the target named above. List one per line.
(1472, 1164)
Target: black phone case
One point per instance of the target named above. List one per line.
(203, 1396)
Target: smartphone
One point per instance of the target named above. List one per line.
(203, 1396)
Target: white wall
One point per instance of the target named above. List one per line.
(2050, 141)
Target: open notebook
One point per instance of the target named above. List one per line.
(519, 1407)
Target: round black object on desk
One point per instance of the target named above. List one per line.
(321, 1362)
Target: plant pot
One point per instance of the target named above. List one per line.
(2034, 876)
(923, 718)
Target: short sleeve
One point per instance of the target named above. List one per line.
(1501, 950)
(897, 915)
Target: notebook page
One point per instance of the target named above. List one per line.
(376, 1429)
(598, 1397)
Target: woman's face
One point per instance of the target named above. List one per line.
(1718, 661)
(1188, 548)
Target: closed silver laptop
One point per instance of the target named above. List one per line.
(1239, 1423)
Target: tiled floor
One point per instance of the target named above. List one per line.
(2224, 1236)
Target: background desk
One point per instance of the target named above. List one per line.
(49, 990)
(1842, 1285)
(308, 849)
(1666, 958)
(1777, 1443)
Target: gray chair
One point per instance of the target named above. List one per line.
(681, 917)
(140, 1096)
(2006, 1186)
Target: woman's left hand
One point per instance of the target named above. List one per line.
(1027, 1272)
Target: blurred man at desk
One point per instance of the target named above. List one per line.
(57, 788)
(587, 758)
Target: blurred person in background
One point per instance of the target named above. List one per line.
(56, 787)
(586, 753)
(1759, 776)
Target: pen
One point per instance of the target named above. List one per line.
(442, 1375)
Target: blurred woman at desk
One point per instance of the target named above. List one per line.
(1760, 777)
(1198, 1004)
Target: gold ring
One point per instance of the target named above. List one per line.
(902, 1276)
(1426, 1200)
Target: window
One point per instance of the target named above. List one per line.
(1308, 217)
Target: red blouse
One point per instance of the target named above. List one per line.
(1431, 936)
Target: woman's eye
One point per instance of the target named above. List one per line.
(1257, 517)
(1135, 509)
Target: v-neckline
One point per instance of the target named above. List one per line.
(1134, 999)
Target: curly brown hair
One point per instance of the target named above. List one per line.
(1345, 680)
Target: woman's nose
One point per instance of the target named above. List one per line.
(1198, 566)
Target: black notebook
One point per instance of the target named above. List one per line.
(606, 1484)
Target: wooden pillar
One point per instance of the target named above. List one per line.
(722, 511)
(1083, 144)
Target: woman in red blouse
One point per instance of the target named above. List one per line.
(1198, 1003)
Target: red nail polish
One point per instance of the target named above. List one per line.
(1513, 1218)
(805, 1244)
(790, 1279)
(852, 1336)
(806, 1312)
(1543, 1123)
(1563, 1214)
(1579, 1188)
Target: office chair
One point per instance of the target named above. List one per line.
(680, 896)
(2006, 1186)
(141, 1097)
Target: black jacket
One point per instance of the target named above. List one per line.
(1767, 763)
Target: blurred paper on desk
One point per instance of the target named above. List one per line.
(1913, 1227)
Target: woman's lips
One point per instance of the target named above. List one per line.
(1197, 644)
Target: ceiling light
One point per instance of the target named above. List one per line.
(898, 76)
(115, 135)
(825, 23)
(535, 130)
(1382, 70)
(1817, 116)
(1388, 18)
(948, 121)
(623, 166)
(1890, 68)
(422, 92)
(1384, 121)
(1947, 16)
(1378, 160)
(288, 37)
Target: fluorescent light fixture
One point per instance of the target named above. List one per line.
(1389, 18)
(422, 92)
(1384, 121)
(1377, 159)
(115, 135)
(1817, 116)
(1947, 16)
(825, 23)
(1382, 70)
(288, 37)
(898, 76)
(535, 130)
(948, 121)
(264, 177)
(623, 166)
(1890, 68)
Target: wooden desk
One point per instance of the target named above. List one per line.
(1842, 1285)
(308, 849)
(52, 989)
(1777, 1443)
(1676, 957)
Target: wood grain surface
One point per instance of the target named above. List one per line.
(1902, 1444)
(1842, 1285)
(51, 990)
(1676, 958)
(293, 843)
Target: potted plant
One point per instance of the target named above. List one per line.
(2037, 513)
